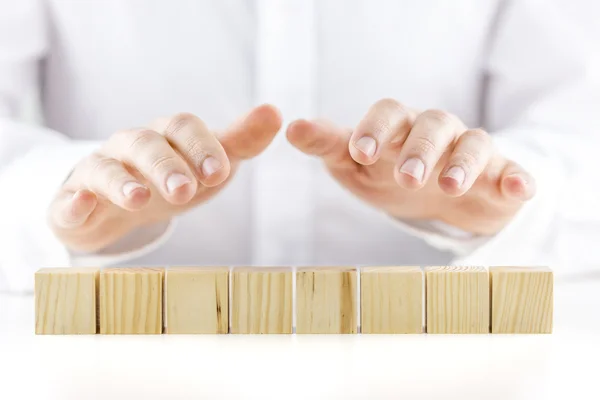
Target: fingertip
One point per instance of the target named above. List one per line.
(77, 210)
(407, 181)
(410, 174)
(518, 187)
(84, 197)
(269, 116)
(298, 129)
(363, 150)
(450, 186)
(214, 172)
(180, 189)
(136, 196)
(453, 181)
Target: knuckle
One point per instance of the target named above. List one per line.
(381, 126)
(478, 136)
(392, 104)
(99, 164)
(440, 116)
(424, 145)
(141, 138)
(181, 121)
(163, 163)
(467, 159)
(194, 148)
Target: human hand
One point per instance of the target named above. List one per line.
(146, 175)
(415, 165)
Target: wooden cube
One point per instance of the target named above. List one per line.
(391, 299)
(522, 299)
(65, 301)
(197, 300)
(458, 300)
(326, 300)
(261, 300)
(131, 300)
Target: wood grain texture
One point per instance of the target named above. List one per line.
(261, 300)
(391, 299)
(131, 300)
(326, 300)
(66, 300)
(458, 300)
(197, 300)
(522, 299)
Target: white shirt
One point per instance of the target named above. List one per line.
(524, 70)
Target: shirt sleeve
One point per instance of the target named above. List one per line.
(35, 161)
(541, 101)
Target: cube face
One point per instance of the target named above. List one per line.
(261, 300)
(522, 299)
(391, 300)
(131, 300)
(197, 300)
(326, 300)
(458, 300)
(65, 301)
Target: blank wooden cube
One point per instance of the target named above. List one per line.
(197, 300)
(131, 300)
(522, 299)
(326, 300)
(391, 299)
(65, 301)
(458, 300)
(261, 300)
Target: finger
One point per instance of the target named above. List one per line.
(150, 153)
(386, 121)
(469, 158)
(199, 147)
(427, 141)
(110, 179)
(71, 210)
(322, 139)
(252, 134)
(516, 183)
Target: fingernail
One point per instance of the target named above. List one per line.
(456, 173)
(414, 167)
(77, 194)
(519, 176)
(366, 145)
(210, 166)
(130, 187)
(176, 181)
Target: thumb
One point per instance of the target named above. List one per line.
(250, 135)
(322, 139)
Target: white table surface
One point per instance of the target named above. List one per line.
(563, 365)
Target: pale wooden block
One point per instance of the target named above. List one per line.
(326, 300)
(197, 300)
(131, 300)
(261, 300)
(65, 301)
(522, 299)
(391, 299)
(458, 300)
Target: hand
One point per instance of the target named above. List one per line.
(147, 175)
(416, 165)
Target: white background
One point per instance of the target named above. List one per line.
(562, 365)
